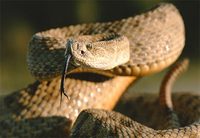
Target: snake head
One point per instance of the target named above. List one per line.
(101, 51)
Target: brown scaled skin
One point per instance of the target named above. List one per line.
(41, 101)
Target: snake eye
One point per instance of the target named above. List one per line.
(89, 46)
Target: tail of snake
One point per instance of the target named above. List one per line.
(156, 40)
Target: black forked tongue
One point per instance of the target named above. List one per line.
(66, 65)
(62, 88)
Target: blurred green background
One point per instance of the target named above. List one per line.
(21, 19)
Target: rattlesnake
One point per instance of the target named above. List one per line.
(156, 40)
(111, 124)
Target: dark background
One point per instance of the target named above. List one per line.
(21, 19)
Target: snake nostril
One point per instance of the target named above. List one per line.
(82, 52)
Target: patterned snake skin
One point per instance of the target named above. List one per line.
(35, 111)
(156, 40)
(112, 124)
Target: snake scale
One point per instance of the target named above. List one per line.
(156, 40)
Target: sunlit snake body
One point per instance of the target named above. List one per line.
(156, 40)
(111, 124)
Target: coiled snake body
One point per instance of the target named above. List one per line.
(156, 40)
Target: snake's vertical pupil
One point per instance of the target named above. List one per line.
(66, 64)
